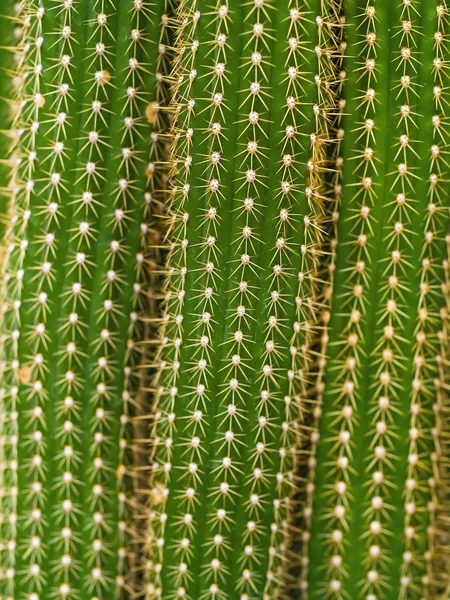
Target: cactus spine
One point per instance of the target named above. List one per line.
(73, 285)
(372, 486)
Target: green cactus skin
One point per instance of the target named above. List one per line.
(372, 493)
(74, 283)
(299, 433)
(241, 279)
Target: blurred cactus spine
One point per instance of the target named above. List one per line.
(10, 32)
(439, 530)
(373, 491)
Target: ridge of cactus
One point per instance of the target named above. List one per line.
(372, 486)
(439, 567)
(74, 284)
(245, 241)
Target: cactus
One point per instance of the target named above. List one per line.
(224, 284)
(74, 283)
(372, 513)
(246, 223)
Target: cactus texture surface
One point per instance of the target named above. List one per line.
(225, 299)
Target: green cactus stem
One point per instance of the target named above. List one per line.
(74, 284)
(245, 236)
(372, 487)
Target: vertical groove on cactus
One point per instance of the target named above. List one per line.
(240, 283)
(372, 477)
(148, 43)
(330, 47)
(158, 114)
(72, 289)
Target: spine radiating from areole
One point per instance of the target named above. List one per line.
(74, 284)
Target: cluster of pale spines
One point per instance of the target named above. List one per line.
(13, 83)
(174, 495)
(7, 501)
(386, 348)
(203, 319)
(297, 249)
(438, 539)
(417, 382)
(437, 556)
(42, 122)
(11, 39)
(306, 148)
(395, 385)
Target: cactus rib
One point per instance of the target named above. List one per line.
(72, 290)
(246, 236)
(375, 424)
